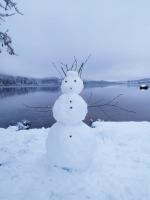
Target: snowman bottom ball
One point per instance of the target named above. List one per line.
(71, 147)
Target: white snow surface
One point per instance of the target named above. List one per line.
(120, 170)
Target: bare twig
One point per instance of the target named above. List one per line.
(111, 103)
(53, 64)
(63, 71)
(90, 99)
(44, 111)
(37, 108)
(28, 106)
(74, 64)
(82, 65)
(118, 96)
(67, 67)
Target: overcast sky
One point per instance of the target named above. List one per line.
(116, 33)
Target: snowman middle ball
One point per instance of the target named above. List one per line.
(70, 109)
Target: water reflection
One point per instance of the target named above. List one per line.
(12, 100)
(11, 91)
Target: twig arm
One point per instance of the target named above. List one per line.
(113, 104)
(37, 108)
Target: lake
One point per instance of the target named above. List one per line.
(13, 110)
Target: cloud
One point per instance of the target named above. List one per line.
(115, 32)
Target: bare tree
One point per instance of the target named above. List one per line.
(8, 8)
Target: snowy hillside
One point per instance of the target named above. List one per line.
(120, 171)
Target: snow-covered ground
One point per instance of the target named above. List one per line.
(120, 170)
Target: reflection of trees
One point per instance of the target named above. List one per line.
(11, 91)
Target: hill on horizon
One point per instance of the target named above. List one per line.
(10, 80)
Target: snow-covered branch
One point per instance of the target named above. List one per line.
(6, 41)
(8, 8)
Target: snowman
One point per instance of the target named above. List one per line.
(70, 143)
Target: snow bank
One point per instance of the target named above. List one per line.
(120, 171)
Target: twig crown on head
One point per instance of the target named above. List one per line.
(74, 67)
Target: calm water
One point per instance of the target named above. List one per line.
(12, 100)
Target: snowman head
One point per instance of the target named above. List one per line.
(72, 83)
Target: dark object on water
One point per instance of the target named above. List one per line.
(144, 87)
(64, 168)
(24, 125)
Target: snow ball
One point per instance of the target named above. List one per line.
(72, 83)
(71, 147)
(70, 109)
(96, 123)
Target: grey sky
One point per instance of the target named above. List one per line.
(116, 33)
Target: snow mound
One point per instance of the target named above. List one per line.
(120, 170)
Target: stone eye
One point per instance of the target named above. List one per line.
(71, 107)
(70, 136)
(75, 80)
